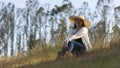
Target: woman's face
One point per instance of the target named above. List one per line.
(79, 22)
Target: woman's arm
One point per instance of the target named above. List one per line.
(70, 33)
(83, 31)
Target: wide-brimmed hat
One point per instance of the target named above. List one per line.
(86, 22)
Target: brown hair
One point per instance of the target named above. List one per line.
(75, 24)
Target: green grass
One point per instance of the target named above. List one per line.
(45, 57)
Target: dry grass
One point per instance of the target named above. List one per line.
(101, 56)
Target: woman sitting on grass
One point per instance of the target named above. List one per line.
(77, 36)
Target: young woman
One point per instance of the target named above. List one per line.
(78, 35)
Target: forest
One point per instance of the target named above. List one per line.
(24, 29)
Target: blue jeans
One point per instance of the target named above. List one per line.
(73, 44)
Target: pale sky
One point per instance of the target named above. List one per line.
(76, 3)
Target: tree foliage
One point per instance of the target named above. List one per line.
(23, 29)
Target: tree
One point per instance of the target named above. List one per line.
(31, 19)
(98, 33)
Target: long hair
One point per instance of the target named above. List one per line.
(76, 26)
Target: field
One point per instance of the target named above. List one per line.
(45, 57)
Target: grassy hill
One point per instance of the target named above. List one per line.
(104, 58)
(45, 57)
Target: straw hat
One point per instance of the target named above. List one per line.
(86, 22)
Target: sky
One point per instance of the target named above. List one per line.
(76, 3)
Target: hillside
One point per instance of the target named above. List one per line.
(101, 59)
(31, 37)
(46, 58)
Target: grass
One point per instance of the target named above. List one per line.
(105, 58)
(45, 57)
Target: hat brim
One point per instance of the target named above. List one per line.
(86, 22)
